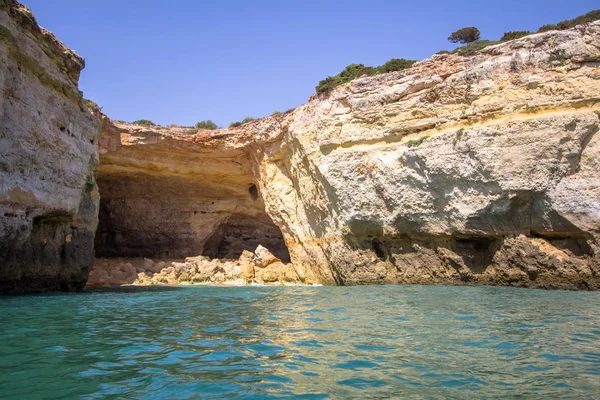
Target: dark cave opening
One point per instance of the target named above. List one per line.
(378, 249)
(151, 222)
(241, 232)
(253, 190)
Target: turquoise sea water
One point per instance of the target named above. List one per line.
(260, 342)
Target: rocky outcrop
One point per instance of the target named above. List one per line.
(452, 171)
(459, 170)
(48, 160)
(260, 267)
(476, 170)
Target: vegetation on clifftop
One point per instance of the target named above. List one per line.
(91, 105)
(354, 71)
(473, 47)
(570, 23)
(208, 124)
(465, 35)
(242, 122)
(470, 36)
(144, 122)
(512, 35)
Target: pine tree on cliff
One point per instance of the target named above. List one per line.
(465, 35)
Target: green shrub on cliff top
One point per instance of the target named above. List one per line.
(582, 19)
(465, 35)
(547, 27)
(329, 83)
(354, 71)
(208, 124)
(512, 35)
(351, 72)
(91, 105)
(242, 122)
(145, 122)
(570, 23)
(397, 64)
(472, 48)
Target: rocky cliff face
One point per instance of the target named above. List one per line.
(48, 160)
(459, 170)
(462, 170)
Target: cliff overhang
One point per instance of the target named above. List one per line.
(478, 169)
(459, 170)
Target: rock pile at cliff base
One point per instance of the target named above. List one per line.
(260, 267)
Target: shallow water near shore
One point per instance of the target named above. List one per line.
(323, 342)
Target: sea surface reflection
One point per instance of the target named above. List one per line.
(260, 342)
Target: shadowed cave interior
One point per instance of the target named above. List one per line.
(144, 215)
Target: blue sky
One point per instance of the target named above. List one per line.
(182, 61)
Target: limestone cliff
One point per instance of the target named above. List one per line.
(459, 170)
(48, 160)
(462, 170)
(166, 193)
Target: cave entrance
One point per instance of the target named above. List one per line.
(242, 232)
(173, 218)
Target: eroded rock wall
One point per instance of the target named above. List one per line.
(48, 160)
(459, 170)
(466, 170)
(167, 193)
(478, 170)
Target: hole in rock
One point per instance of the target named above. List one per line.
(253, 192)
(53, 218)
(377, 248)
(477, 252)
(576, 244)
(154, 216)
(241, 232)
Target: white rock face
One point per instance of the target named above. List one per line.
(448, 171)
(462, 170)
(48, 160)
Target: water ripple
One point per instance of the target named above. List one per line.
(314, 343)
